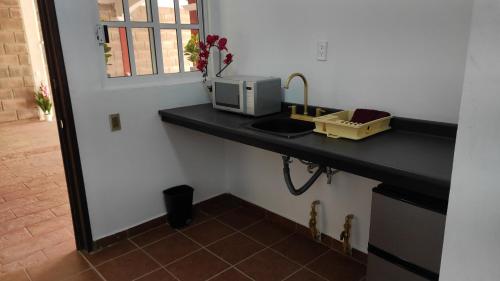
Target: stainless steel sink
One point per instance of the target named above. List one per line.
(283, 127)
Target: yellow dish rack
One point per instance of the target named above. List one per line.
(338, 125)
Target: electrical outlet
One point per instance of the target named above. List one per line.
(322, 51)
(114, 122)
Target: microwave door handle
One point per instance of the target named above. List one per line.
(243, 97)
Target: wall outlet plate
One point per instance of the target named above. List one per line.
(115, 122)
(322, 51)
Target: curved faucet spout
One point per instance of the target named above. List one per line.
(306, 88)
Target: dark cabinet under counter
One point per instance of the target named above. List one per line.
(406, 235)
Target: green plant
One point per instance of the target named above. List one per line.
(192, 49)
(107, 53)
(42, 99)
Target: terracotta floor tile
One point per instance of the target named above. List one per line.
(267, 232)
(58, 269)
(112, 251)
(31, 170)
(242, 217)
(22, 250)
(11, 188)
(13, 180)
(171, 248)
(153, 235)
(208, 232)
(127, 267)
(231, 275)
(26, 192)
(89, 275)
(49, 225)
(267, 266)
(32, 259)
(300, 249)
(334, 266)
(235, 248)
(220, 204)
(61, 210)
(197, 267)
(198, 217)
(48, 195)
(25, 221)
(18, 203)
(159, 275)
(15, 276)
(14, 237)
(62, 249)
(305, 275)
(38, 206)
(38, 181)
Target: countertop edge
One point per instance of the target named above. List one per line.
(413, 182)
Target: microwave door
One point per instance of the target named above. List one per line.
(229, 96)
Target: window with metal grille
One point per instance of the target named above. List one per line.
(150, 37)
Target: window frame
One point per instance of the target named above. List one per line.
(155, 41)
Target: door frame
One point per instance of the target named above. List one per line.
(66, 125)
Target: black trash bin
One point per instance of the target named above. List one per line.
(179, 201)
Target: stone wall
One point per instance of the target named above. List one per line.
(16, 78)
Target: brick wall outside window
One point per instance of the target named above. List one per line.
(16, 77)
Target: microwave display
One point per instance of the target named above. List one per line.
(227, 95)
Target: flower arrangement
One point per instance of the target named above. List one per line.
(213, 41)
(42, 99)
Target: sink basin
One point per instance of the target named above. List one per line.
(283, 127)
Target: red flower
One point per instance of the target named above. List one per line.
(201, 65)
(222, 44)
(229, 58)
(202, 45)
(204, 54)
(211, 39)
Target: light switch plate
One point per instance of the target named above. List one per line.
(322, 51)
(115, 122)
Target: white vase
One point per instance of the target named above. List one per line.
(48, 117)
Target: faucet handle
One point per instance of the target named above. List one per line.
(293, 108)
(319, 111)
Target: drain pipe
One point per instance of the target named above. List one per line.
(288, 180)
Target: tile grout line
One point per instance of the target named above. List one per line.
(91, 266)
(164, 267)
(27, 275)
(265, 247)
(202, 247)
(282, 255)
(302, 267)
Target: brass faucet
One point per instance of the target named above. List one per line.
(346, 235)
(306, 95)
(313, 222)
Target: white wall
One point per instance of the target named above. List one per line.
(125, 172)
(471, 248)
(257, 176)
(403, 56)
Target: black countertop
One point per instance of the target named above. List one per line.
(410, 158)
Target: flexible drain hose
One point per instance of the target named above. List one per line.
(288, 179)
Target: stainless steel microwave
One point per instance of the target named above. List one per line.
(249, 95)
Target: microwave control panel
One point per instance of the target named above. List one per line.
(250, 94)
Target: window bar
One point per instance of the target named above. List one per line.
(201, 19)
(128, 25)
(180, 47)
(155, 13)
